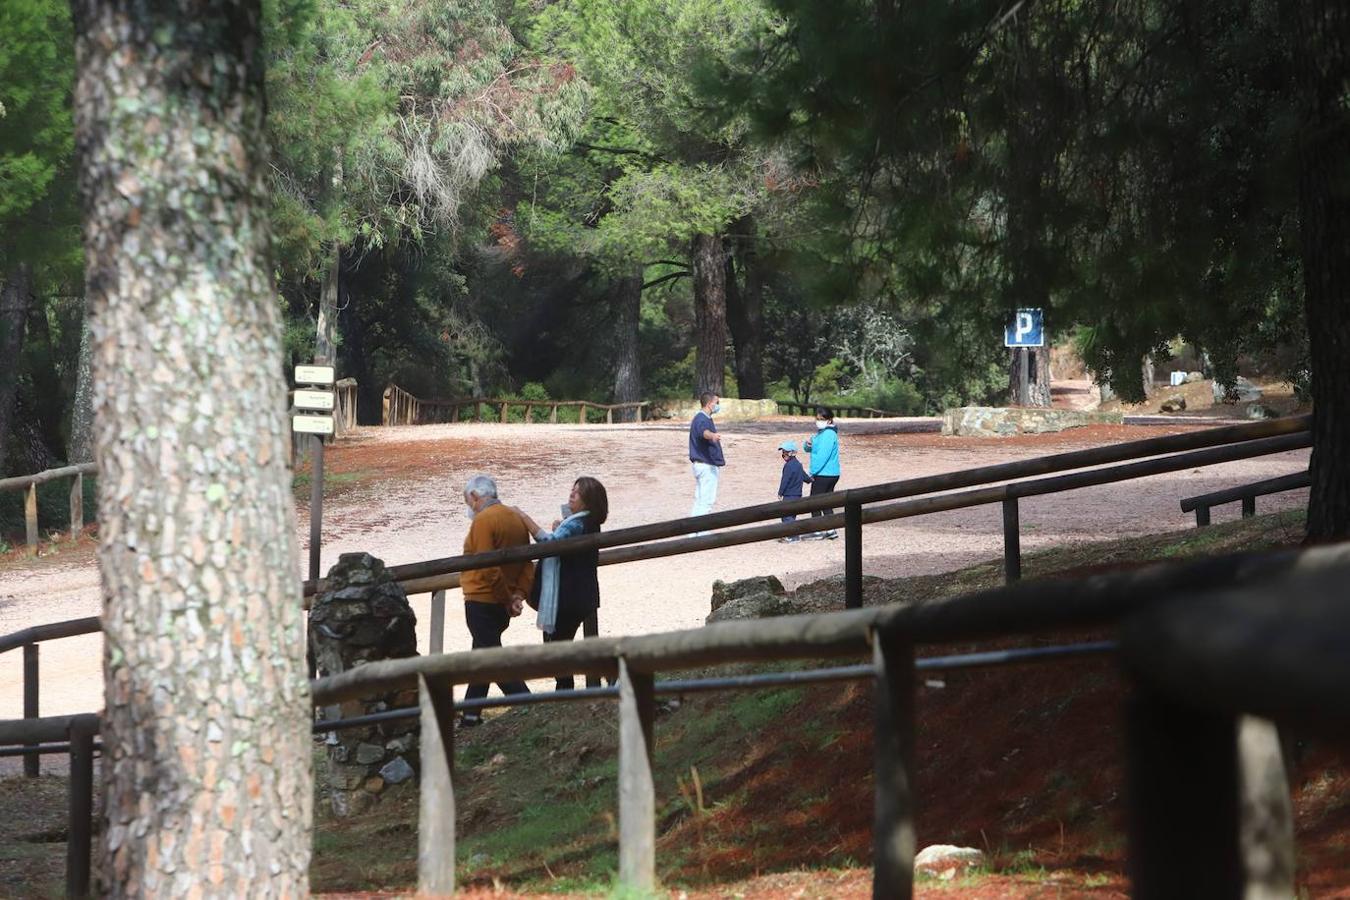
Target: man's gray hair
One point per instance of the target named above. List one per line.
(481, 485)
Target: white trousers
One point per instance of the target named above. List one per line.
(705, 487)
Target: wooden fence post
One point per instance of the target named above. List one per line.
(437, 622)
(637, 788)
(553, 414)
(77, 506)
(1201, 516)
(1012, 542)
(30, 518)
(1183, 792)
(436, 807)
(502, 417)
(853, 570)
(31, 764)
(581, 414)
(529, 413)
(893, 832)
(80, 837)
(1248, 507)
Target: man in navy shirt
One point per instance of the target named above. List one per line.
(705, 454)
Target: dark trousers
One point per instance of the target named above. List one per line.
(823, 484)
(486, 623)
(566, 630)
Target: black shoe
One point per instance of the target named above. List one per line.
(469, 720)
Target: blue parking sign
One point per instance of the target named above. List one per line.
(1027, 329)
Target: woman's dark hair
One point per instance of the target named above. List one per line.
(593, 495)
(824, 412)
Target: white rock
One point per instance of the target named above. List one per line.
(938, 858)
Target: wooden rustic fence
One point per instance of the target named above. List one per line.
(29, 484)
(845, 412)
(402, 408)
(1190, 685)
(635, 665)
(1247, 493)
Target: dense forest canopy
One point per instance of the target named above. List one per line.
(616, 201)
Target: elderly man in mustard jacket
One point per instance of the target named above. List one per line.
(492, 596)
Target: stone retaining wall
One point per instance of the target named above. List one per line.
(732, 410)
(991, 421)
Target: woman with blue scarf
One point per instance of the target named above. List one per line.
(566, 589)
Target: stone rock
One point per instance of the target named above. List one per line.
(1193, 377)
(733, 410)
(1242, 391)
(990, 421)
(939, 859)
(352, 803)
(345, 778)
(724, 592)
(397, 771)
(1173, 404)
(363, 616)
(1259, 411)
(755, 606)
(369, 753)
(401, 744)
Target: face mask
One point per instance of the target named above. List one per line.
(472, 511)
(715, 409)
(820, 425)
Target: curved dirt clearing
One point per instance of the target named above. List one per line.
(397, 494)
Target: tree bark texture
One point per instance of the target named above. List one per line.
(627, 294)
(1322, 64)
(324, 340)
(710, 313)
(206, 758)
(15, 297)
(745, 312)
(80, 447)
(1038, 391)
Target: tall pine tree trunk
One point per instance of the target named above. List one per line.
(206, 759)
(745, 312)
(627, 294)
(1322, 61)
(1037, 392)
(80, 447)
(324, 334)
(710, 313)
(15, 296)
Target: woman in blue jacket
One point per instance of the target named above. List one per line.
(824, 467)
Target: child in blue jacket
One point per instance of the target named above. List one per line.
(790, 485)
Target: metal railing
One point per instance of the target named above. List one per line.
(30, 507)
(1247, 493)
(402, 408)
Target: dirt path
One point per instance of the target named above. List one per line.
(397, 494)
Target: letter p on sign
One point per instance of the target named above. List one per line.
(1026, 329)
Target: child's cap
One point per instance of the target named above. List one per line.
(789, 446)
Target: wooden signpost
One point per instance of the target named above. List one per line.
(314, 415)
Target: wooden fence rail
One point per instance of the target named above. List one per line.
(1155, 609)
(889, 635)
(30, 506)
(1247, 493)
(402, 408)
(845, 412)
(1255, 439)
